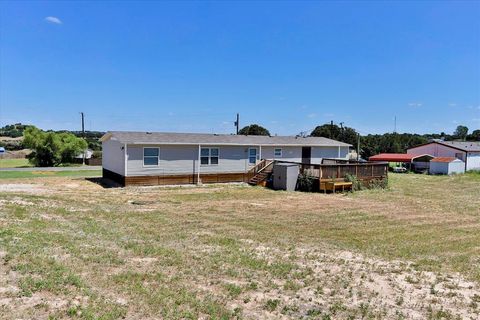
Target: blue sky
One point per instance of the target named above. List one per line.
(190, 66)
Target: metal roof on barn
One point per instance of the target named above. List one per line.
(468, 146)
(129, 137)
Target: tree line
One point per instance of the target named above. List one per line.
(52, 148)
(17, 130)
(373, 144)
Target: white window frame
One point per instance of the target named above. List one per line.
(150, 165)
(257, 156)
(210, 156)
(275, 153)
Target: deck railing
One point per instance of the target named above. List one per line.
(363, 171)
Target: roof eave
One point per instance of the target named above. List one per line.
(231, 144)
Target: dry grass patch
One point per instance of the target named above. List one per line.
(72, 249)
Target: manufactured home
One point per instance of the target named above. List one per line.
(468, 152)
(151, 158)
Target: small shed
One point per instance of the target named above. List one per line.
(285, 176)
(446, 165)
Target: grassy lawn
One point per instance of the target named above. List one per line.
(37, 174)
(71, 249)
(14, 163)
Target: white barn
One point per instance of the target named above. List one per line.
(446, 165)
(150, 158)
(468, 152)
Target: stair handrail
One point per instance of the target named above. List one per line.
(270, 162)
(262, 165)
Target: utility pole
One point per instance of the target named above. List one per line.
(358, 146)
(83, 135)
(331, 129)
(237, 123)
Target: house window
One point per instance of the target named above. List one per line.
(150, 156)
(252, 155)
(278, 152)
(209, 156)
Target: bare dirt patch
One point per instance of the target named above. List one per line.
(21, 187)
(232, 251)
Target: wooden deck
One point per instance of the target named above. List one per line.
(365, 172)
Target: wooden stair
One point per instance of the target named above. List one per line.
(261, 172)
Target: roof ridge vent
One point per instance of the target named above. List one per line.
(148, 132)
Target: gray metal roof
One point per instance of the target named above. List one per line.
(217, 139)
(462, 145)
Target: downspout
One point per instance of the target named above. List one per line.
(198, 164)
(260, 152)
(339, 152)
(466, 158)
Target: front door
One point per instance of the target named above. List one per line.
(306, 154)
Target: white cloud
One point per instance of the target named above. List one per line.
(53, 20)
(415, 104)
(312, 115)
(452, 104)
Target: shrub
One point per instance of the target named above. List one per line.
(356, 184)
(305, 182)
(97, 154)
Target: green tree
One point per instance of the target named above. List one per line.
(254, 130)
(344, 134)
(461, 132)
(475, 135)
(50, 148)
(327, 130)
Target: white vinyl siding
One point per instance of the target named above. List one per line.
(113, 158)
(183, 159)
(473, 161)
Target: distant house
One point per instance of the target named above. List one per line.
(446, 165)
(468, 152)
(149, 158)
(88, 154)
